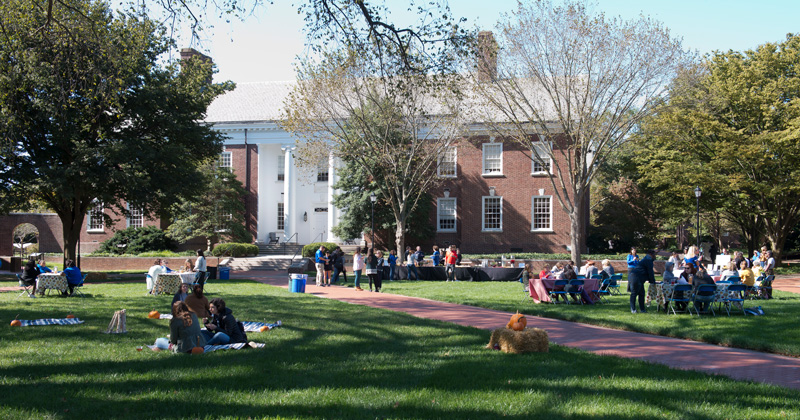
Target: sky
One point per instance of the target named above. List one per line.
(264, 46)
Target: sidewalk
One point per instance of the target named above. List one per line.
(676, 353)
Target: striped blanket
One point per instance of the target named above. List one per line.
(235, 346)
(249, 326)
(50, 321)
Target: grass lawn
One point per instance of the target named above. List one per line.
(776, 331)
(331, 360)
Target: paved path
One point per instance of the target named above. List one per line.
(673, 352)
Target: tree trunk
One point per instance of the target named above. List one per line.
(399, 237)
(71, 225)
(776, 242)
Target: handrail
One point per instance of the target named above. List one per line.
(318, 236)
(287, 241)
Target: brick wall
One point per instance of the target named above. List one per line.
(241, 155)
(91, 240)
(48, 225)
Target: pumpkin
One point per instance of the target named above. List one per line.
(16, 323)
(70, 316)
(154, 315)
(518, 322)
(264, 328)
(198, 350)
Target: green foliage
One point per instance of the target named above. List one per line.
(217, 213)
(166, 254)
(310, 250)
(93, 113)
(234, 250)
(623, 216)
(137, 240)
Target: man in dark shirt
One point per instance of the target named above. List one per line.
(637, 276)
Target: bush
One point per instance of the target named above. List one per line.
(310, 249)
(234, 250)
(136, 241)
(166, 254)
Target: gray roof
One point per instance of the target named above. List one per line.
(257, 101)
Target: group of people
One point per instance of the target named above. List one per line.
(161, 266)
(34, 267)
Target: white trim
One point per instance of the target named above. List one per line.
(498, 172)
(102, 227)
(539, 145)
(550, 213)
(483, 214)
(455, 163)
(225, 157)
(439, 216)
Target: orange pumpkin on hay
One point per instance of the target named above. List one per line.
(518, 322)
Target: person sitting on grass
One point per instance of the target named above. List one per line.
(181, 294)
(198, 303)
(184, 331)
(221, 327)
(74, 277)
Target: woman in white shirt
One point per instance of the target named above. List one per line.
(200, 268)
(358, 265)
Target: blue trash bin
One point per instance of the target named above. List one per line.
(224, 273)
(298, 283)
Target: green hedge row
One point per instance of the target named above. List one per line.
(310, 249)
(234, 250)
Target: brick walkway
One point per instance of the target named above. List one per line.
(673, 352)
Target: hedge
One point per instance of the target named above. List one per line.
(234, 250)
(311, 249)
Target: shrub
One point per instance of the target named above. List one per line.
(137, 240)
(234, 250)
(310, 249)
(166, 254)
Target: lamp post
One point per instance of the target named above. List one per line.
(697, 193)
(373, 199)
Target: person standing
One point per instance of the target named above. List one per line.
(633, 259)
(674, 259)
(372, 269)
(450, 259)
(411, 263)
(358, 265)
(642, 272)
(338, 264)
(319, 263)
(200, 268)
(392, 264)
(419, 258)
(436, 257)
(328, 269)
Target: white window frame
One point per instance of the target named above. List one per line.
(281, 219)
(485, 158)
(440, 217)
(281, 167)
(98, 208)
(225, 160)
(533, 214)
(443, 163)
(135, 213)
(483, 213)
(535, 166)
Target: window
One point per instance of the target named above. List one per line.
(447, 163)
(493, 158)
(492, 214)
(322, 175)
(446, 215)
(543, 150)
(224, 160)
(541, 213)
(281, 166)
(136, 218)
(280, 217)
(96, 218)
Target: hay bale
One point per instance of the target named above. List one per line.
(528, 340)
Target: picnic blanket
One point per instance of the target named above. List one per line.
(234, 346)
(50, 321)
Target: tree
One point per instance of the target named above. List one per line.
(570, 86)
(733, 127)
(89, 115)
(216, 213)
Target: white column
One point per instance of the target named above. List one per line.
(288, 193)
(333, 217)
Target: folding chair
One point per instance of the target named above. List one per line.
(579, 291)
(26, 288)
(735, 295)
(581, 277)
(602, 291)
(613, 286)
(596, 277)
(734, 279)
(682, 290)
(558, 290)
(705, 294)
(752, 291)
(765, 289)
(76, 291)
(525, 291)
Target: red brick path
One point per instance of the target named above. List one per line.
(673, 352)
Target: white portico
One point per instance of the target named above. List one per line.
(295, 203)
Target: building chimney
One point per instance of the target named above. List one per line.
(191, 53)
(487, 56)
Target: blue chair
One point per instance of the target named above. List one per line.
(602, 291)
(735, 295)
(765, 288)
(614, 285)
(681, 293)
(526, 291)
(705, 296)
(558, 290)
(596, 277)
(733, 279)
(576, 287)
(76, 291)
(581, 277)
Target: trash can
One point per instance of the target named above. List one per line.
(212, 273)
(224, 273)
(15, 264)
(298, 283)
